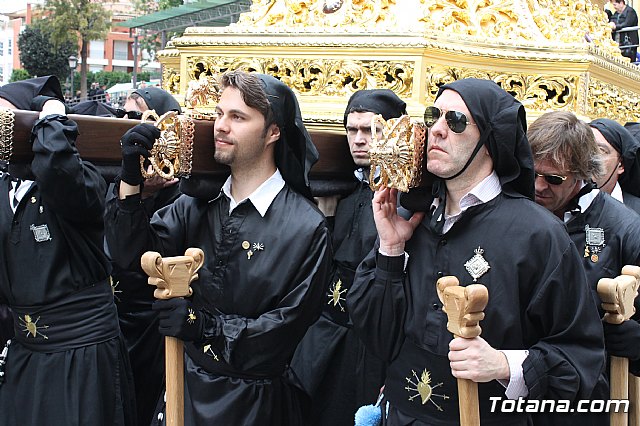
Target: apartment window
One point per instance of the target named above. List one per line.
(121, 50)
(96, 49)
(1, 74)
(1, 48)
(9, 46)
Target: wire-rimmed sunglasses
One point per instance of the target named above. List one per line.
(133, 115)
(552, 179)
(456, 120)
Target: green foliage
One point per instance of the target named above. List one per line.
(19, 75)
(70, 19)
(39, 56)
(151, 41)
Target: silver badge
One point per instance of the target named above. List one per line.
(41, 233)
(594, 242)
(477, 266)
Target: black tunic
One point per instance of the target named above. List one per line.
(260, 305)
(631, 201)
(538, 300)
(331, 362)
(621, 246)
(139, 323)
(54, 276)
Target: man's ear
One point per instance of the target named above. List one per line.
(620, 168)
(273, 133)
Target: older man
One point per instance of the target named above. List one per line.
(607, 235)
(541, 337)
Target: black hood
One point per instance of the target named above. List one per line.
(295, 153)
(22, 92)
(159, 100)
(379, 101)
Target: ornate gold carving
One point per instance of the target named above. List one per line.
(172, 153)
(315, 76)
(200, 93)
(171, 80)
(397, 154)
(610, 101)
(318, 13)
(536, 92)
(7, 120)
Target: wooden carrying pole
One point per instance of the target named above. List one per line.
(99, 142)
(172, 276)
(464, 306)
(617, 297)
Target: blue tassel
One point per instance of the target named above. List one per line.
(368, 415)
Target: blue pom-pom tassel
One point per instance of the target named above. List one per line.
(368, 415)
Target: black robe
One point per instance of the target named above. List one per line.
(631, 201)
(332, 363)
(538, 300)
(621, 246)
(139, 323)
(258, 306)
(67, 363)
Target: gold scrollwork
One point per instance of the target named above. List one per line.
(537, 93)
(171, 80)
(171, 155)
(397, 155)
(7, 120)
(609, 101)
(318, 76)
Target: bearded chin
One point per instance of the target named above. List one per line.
(222, 158)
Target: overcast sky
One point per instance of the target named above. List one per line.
(7, 6)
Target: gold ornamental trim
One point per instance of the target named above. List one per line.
(7, 121)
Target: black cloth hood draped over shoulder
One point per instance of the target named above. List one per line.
(502, 123)
(159, 100)
(22, 92)
(379, 101)
(295, 153)
(501, 120)
(623, 140)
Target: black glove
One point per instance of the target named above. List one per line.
(178, 318)
(136, 142)
(38, 102)
(623, 339)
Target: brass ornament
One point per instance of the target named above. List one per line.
(397, 154)
(423, 389)
(7, 120)
(172, 153)
(336, 295)
(200, 93)
(31, 327)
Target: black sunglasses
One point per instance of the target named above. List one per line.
(552, 179)
(456, 120)
(133, 115)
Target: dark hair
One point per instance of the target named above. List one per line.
(568, 142)
(252, 91)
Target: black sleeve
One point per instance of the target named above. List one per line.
(377, 303)
(74, 188)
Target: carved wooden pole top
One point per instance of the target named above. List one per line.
(172, 275)
(463, 305)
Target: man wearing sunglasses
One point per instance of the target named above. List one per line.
(541, 335)
(606, 233)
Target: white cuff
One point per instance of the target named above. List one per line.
(515, 386)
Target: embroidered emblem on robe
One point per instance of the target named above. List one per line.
(422, 388)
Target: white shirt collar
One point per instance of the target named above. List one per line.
(262, 197)
(584, 202)
(617, 193)
(482, 193)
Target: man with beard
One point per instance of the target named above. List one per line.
(67, 363)
(541, 336)
(266, 249)
(336, 370)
